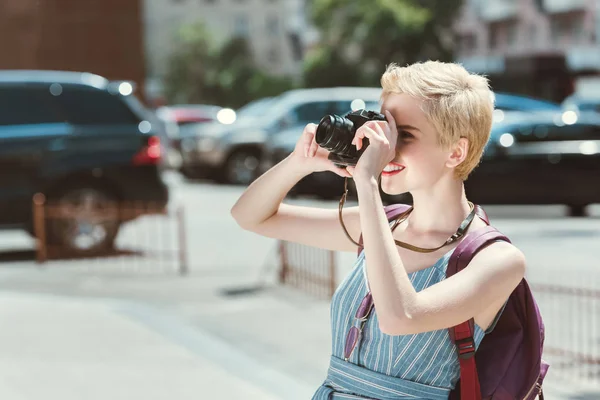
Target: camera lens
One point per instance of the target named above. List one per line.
(334, 133)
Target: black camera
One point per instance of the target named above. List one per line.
(335, 134)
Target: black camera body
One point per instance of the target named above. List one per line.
(336, 133)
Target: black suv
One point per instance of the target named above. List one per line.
(84, 142)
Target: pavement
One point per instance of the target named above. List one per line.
(54, 348)
(58, 347)
(117, 329)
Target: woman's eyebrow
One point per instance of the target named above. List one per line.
(407, 128)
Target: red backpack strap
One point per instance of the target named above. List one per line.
(391, 212)
(482, 214)
(462, 334)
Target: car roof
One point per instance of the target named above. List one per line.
(334, 93)
(524, 102)
(516, 119)
(49, 76)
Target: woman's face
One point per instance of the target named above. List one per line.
(417, 150)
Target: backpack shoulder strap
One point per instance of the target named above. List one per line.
(391, 212)
(462, 334)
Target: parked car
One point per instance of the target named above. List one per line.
(580, 103)
(540, 158)
(324, 184)
(179, 115)
(515, 102)
(184, 114)
(517, 111)
(198, 140)
(233, 153)
(86, 144)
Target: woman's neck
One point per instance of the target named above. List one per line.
(439, 210)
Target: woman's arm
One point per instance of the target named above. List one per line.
(260, 207)
(489, 278)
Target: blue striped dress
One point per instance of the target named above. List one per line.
(417, 366)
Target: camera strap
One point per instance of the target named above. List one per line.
(459, 233)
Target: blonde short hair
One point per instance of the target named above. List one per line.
(456, 102)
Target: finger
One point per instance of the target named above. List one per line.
(392, 124)
(359, 136)
(314, 146)
(372, 135)
(307, 143)
(341, 172)
(350, 170)
(390, 119)
(309, 137)
(311, 128)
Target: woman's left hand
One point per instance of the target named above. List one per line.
(382, 137)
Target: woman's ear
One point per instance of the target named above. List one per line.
(459, 153)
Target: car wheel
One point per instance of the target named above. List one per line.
(577, 211)
(193, 173)
(242, 167)
(83, 221)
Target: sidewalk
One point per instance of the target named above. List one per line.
(168, 337)
(55, 348)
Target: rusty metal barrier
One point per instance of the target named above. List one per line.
(307, 268)
(149, 238)
(571, 313)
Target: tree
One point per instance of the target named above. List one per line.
(325, 67)
(372, 34)
(200, 72)
(189, 65)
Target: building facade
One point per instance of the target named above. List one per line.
(277, 31)
(86, 36)
(528, 41)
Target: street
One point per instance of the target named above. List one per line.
(122, 330)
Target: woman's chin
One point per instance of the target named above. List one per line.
(391, 189)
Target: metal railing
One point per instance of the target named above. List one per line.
(307, 268)
(150, 237)
(572, 320)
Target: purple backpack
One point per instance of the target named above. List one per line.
(508, 364)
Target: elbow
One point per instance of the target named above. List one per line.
(238, 218)
(244, 220)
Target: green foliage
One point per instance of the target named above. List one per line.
(199, 72)
(365, 36)
(325, 67)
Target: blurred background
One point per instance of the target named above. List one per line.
(129, 128)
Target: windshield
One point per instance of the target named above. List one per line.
(256, 108)
(373, 106)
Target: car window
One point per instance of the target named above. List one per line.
(589, 107)
(555, 133)
(313, 112)
(256, 108)
(372, 106)
(89, 106)
(27, 105)
(505, 107)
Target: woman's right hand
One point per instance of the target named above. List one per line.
(312, 156)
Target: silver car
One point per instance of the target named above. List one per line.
(233, 153)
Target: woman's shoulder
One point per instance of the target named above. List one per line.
(503, 254)
(500, 247)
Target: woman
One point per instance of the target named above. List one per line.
(438, 121)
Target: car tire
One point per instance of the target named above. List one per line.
(241, 167)
(193, 174)
(83, 220)
(577, 210)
